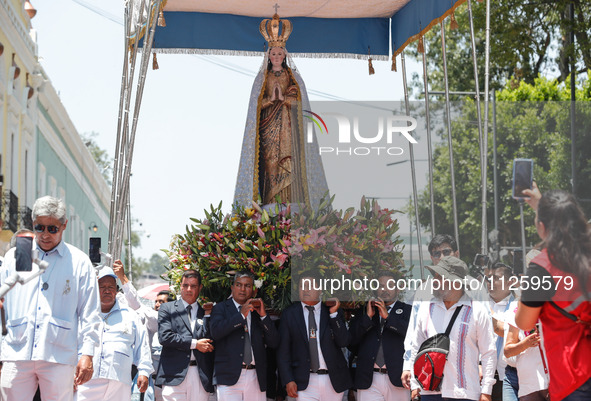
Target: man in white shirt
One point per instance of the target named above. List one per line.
(471, 337)
(123, 342)
(498, 283)
(147, 315)
(49, 315)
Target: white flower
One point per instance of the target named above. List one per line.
(258, 283)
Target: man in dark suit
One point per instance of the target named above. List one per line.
(242, 332)
(310, 359)
(378, 332)
(186, 363)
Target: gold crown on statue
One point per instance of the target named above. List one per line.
(270, 30)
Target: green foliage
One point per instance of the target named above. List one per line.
(526, 39)
(100, 156)
(532, 122)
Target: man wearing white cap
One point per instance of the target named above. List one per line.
(471, 337)
(123, 342)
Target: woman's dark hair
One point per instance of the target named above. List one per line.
(283, 64)
(568, 235)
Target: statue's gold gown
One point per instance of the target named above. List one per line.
(276, 131)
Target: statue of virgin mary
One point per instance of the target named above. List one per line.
(278, 159)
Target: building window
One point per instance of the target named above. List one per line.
(13, 165)
(41, 181)
(52, 187)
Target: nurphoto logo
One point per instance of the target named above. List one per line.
(378, 135)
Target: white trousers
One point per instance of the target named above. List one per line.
(19, 380)
(246, 388)
(382, 389)
(319, 389)
(103, 389)
(190, 389)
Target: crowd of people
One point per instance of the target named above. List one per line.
(73, 333)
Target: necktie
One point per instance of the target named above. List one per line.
(313, 340)
(189, 310)
(247, 345)
(380, 356)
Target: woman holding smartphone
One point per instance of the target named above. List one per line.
(558, 292)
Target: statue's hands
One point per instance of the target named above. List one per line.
(280, 93)
(274, 94)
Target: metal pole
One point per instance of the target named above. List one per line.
(483, 140)
(521, 202)
(122, 96)
(573, 71)
(412, 169)
(129, 256)
(410, 234)
(449, 139)
(124, 150)
(152, 17)
(486, 100)
(429, 150)
(495, 189)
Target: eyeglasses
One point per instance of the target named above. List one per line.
(445, 252)
(50, 229)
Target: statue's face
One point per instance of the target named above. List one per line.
(276, 55)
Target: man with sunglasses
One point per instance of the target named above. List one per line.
(443, 245)
(47, 316)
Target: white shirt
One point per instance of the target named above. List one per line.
(322, 363)
(498, 310)
(46, 325)
(148, 316)
(529, 365)
(471, 340)
(123, 341)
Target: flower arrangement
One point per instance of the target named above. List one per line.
(274, 244)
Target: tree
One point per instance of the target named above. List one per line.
(528, 38)
(100, 156)
(533, 121)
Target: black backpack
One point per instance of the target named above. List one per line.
(432, 356)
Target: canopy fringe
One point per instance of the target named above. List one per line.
(220, 52)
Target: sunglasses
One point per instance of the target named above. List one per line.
(445, 252)
(50, 229)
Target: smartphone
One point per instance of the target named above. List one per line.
(523, 175)
(94, 249)
(481, 260)
(23, 253)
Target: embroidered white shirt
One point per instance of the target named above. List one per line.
(471, 340)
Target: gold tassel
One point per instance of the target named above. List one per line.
(394, 63)
(371, 70)
(155, 62)
(453, 23)
(421, 47)
(161, 20)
